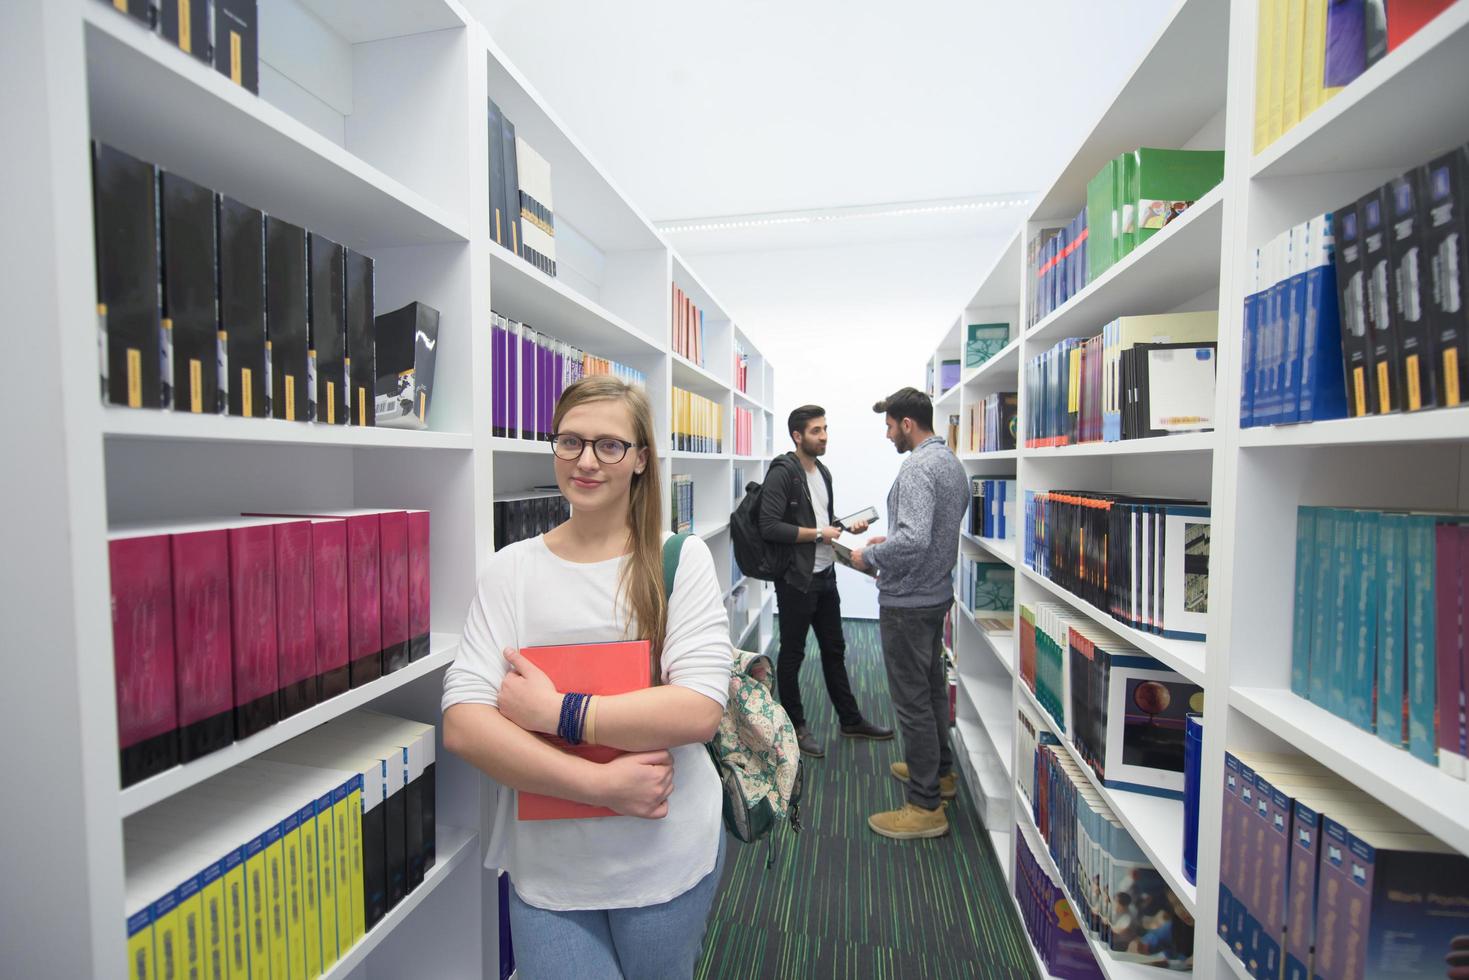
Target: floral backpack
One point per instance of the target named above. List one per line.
(755, 750)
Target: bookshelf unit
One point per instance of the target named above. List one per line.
(349, 97)
(1194, 88)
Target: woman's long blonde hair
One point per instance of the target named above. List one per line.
(641, 579)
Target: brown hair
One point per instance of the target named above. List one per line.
(641, 578)
(908, 403)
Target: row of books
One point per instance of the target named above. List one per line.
(1055, 267)
(521, 516)
(522, 212)
(992, 508)
(738, 607)
(698, 423)
(1308, 50)
(1143, 376)
(222, 33)
(992, 423)
(681, 497)
(278, 866)
(1319, 880)
(1123, 711)
(210, 306)
(744, 432)
(1136, 195)
(1400, 274)
(1378, 635)
(741, 367)
(528, 372)
(1144, 560)
(983, 341)
(1121, 900)
(222, 628)
(951, 433)
(1050, 918)
(688, 328)
(985, 586)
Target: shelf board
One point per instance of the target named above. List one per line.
(940, 402)
(452, 847)
(749, 459)
(521, 447)
(1003, 367)
(1184, 656)
(1001, 548)
(1397, 114)
(993, 455)
(1154, 822)
(1001, 284)
(168, 426)
(1002, 645)
(701, 381)
(986, 778)
(713, 532)
(1432, 425)
(1230, 960)
(735, 585)
(1183, 442)
(521, 291)
(1437, 802)
(1174, 266)
(697, 457)
(742, 396)
(140, 796)
(993, 704)
(195, 121)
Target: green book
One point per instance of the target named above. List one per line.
(1100, 241)
(1166, 182)
(1126, 194)
(983, 341)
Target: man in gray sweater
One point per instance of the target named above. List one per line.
(914, 567)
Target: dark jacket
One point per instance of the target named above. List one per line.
(786, 507)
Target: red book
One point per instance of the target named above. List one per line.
(252, 627)
(418, 584)
(1448, 596)
(201, 606)
(329, 595)
(143, 654)
(295, 617)
(587, 668)
(393, 534)
(1406, 17)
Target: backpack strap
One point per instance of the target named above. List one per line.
(672, 548)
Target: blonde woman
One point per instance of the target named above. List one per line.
(626, 895)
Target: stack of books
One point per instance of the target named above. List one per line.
(992, 508)
(681, 495)
(1050, 919)
(983, 341)
(688, 328)
(522, 516)
(992, 423)
(1056, 266)
(278, 866)
(986, 586)
(1137, 194)
(522, 212)
(741, 367)
(744, 432)
(1378, 636)
(1317, 879)
(737, 606)
(698, 423)
(221, 33)
(222, 628)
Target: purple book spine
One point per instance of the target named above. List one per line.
(527, 385)
(512, 349)
(1346, 41)
(497, 381)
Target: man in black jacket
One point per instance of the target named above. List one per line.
(797, 488)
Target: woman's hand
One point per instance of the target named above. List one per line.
(638, 784)
(527, 696)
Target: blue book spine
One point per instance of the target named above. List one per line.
(1300, 661)
(1296, 315)
(1344, 576)
(1321, 608)
(1323, 377)
(1362, 671)
(1275, 353)
(1391, 620)
(1422, 677)
(1250, 344)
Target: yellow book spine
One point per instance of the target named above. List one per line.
(167, 957)
(295, 916)
(326, 856)
(310, 892)
(191, 928)
(1277, 68)
(344, 870)
(257, 904)
(236, 917)
(1313, 58)
(354, 851)
(216, 935)
(140, 946)
(275, 912)
(1295, 30)
(1263, 37)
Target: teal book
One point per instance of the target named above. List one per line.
(1422, 664)
(983, 341)
(1392, 722)
(1300, 647)
(1362, 667)
(1100, 241)
(1168, 182)
(1321, 606)
(1344, 574)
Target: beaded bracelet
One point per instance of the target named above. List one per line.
(573, 717)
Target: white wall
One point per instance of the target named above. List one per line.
(845, 327)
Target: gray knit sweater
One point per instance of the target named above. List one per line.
(925, 508)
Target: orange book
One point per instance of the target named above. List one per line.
(587, 668)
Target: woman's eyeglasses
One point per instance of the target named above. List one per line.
(607, 449)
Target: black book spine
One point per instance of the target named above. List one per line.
(394, 846)
(499, 215)
(430, 815)
(329, 328)
(1417, 382)
(361, 358)
(512, 184)
(374, 864)
(413, 833)
(237, 42)
(130, 329)
(185, 24)
(285, 318)
(242, 307)
(1444, 231)
(1356, 352)
(1377, 279)
(188, 293)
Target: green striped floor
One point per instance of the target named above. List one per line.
(843, 902)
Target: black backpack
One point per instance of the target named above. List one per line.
(756, 557)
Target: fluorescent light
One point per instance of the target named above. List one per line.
(896, 209)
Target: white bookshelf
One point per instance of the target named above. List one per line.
(351, 95)
(1194, 88)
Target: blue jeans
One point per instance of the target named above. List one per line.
(659, 942)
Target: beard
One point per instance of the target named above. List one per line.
(812, 448)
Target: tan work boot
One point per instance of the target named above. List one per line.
(948, 782)
(909, 822)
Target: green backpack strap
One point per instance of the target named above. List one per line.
(672, 548)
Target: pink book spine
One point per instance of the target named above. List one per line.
(393, 532)
(364, 598)
(143, 652)
(1447, 593)
(201, 602)
(252, 626)
(295, 616)
(329, 594)
(418, 583)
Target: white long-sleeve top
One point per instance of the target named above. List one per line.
(528, 596)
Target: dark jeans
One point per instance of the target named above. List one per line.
(913, 651)
(821, 608)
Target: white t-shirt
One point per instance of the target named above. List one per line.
(527, 596)
(821, 503)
